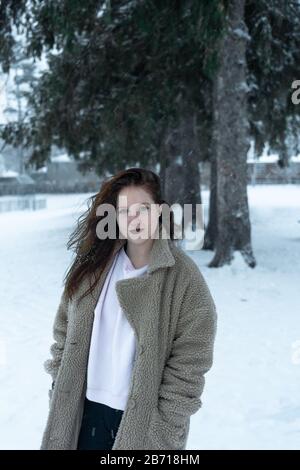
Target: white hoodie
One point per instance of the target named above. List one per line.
(112, 347)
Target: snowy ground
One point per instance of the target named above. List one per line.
(251, 398)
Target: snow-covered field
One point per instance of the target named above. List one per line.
(251, 398)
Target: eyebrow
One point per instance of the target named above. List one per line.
(125, 207)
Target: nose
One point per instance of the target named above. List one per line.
(134, 217)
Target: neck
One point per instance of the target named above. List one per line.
(139, 255)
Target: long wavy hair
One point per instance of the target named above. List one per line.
(92, 253)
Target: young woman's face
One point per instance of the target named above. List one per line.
(136, 209)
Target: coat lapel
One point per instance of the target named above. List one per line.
(131, 292)
(139, 296)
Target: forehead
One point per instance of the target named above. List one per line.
(133, 195)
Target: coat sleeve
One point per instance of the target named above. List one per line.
(190, 358)
(52, 364)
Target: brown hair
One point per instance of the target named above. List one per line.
(93, 253)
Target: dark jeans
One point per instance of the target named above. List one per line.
(99, 426)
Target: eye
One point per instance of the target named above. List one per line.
(122, 211)
(144, 208)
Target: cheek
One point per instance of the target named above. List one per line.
(122, 225)
(147, 220)
(153, 223)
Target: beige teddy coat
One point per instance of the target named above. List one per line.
(173, 315)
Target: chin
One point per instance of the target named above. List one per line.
(138, 241)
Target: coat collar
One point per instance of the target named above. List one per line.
(129, 290)
(160, 255)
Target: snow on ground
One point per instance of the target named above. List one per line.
(251, 397)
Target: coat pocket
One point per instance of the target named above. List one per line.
(165, 436)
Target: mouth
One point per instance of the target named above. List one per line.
(137, 230)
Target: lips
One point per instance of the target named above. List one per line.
(136, 230)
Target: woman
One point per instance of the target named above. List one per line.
(134, 331)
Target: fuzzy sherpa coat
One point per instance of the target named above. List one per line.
(174, 318)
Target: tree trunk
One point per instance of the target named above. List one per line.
(190, 167)
(163, 160)
(182, 174)
(211, 231)
(231, 143)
